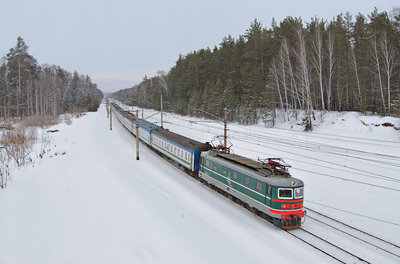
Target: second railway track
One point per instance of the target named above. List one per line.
(344, 243)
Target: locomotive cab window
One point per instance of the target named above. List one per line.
(285, 193)
(299, 192)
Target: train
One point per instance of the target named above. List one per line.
(265, 186)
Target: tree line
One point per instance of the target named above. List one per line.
(346, 64)
(28, 89)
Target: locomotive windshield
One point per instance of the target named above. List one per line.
(284, 193)
(299, 192)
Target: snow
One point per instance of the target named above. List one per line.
(97, 204)
(94, 202)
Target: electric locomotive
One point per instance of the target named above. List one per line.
(266, 186)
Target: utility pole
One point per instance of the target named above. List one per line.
(110, 118)
(107, 107)
(137, 135)
(161, 112)
(142, 108)
(225, 130)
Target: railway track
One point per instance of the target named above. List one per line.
(326, 247)
(344, 243)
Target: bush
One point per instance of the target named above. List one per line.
(18, 143)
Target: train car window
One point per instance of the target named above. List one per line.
(285, 193)
(259, 186)
(223, 170)
(215, 166)
(246, 180)
(299, 192)
(207, 163)
(185, 155)
(235, 176)
(269, 190)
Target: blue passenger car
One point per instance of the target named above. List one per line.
(185, 151)
(145, 130)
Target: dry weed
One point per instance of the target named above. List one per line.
(41, 121)
(18, 143)
(67, 118)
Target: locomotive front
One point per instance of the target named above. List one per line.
(286, 205)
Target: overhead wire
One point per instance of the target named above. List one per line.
(383, 177)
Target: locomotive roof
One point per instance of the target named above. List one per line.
(253, 168)
(241, 160)
(182, 140)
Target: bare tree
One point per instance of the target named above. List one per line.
(286, 56)
(304, 70)
(375, 56)
(390, 60)
(354, 60)
(162, 78)
(283, 73)
(331, 67)
(277, 81)
(318, 58)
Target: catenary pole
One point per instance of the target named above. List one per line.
(137, 135)
(110, 118)
(225, 130)
(161, 112)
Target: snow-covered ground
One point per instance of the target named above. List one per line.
(88, 200)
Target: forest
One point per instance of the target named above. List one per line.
(29, 89)
(350, 63)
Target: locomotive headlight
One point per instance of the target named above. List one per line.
(293, 183)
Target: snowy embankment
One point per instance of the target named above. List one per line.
(89, 201)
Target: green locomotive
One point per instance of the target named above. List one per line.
(266, 186)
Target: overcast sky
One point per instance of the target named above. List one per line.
(118, 42)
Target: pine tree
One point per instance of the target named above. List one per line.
(22, 67)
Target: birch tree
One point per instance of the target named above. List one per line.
(390, 60)
(316, 45)
(331, 66)
(377, 65)
(304, 71)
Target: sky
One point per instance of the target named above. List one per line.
(118, 42)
